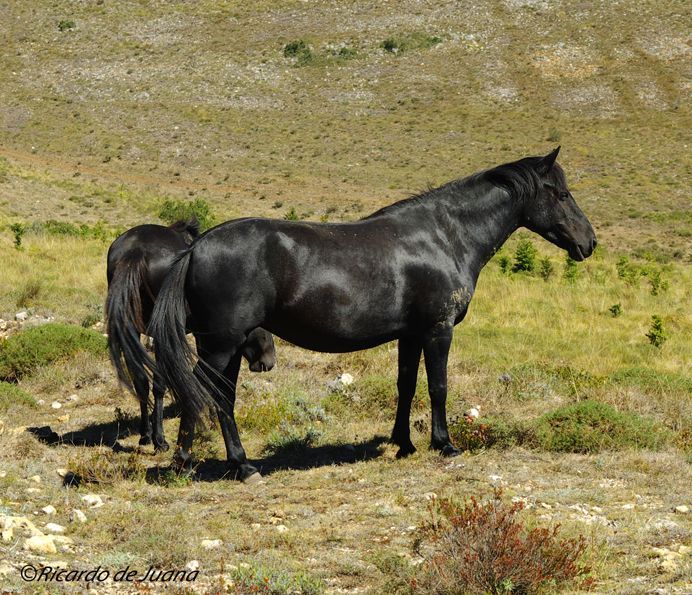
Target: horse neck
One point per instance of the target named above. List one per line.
(479, 217)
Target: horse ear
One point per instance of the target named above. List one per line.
(546, 164)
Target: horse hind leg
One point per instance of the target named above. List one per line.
(225, 365)
(141, 384)
(160, 444)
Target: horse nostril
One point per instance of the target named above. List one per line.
(594, 243)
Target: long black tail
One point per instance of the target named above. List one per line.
(124, 318)
(174, 356)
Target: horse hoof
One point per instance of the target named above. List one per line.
(144, 440)
(405, 451)
(163, 447)
(252, 479)
(449, 450)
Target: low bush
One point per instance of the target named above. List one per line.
(23, 353)
(486, 548)
(590, 426)
(474, 434)
(657, 333)
(266, 581)
(182, 210)
(11, 396)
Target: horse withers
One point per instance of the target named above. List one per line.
(406, 273)
(137, 263)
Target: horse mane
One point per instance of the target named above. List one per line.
(189, 226)
(518, 178)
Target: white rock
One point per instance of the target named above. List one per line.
(255, 526)
(346, 379)
(41, 544)
(627, 506)
(54, 528)
(192, 565)
(77, 516)
(474, 412)
(35, 478)
(282, 528)
(92, 500)
(40, 402)
(50, 509)
(7, 534)
(56, 404)
(210, 544)
(494, 477)
(33, 490)
(61, 472)
(682, 509)
(73, 398)
(21, 316)
(684, 550)
(430, 496)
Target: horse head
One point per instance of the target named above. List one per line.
(554, 214)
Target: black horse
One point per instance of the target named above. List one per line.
(406, 273)
(138, 261)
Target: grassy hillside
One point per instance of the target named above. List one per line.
(328, 111)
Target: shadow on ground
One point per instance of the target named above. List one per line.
(288, 458)
(294, 458)
(101, 434)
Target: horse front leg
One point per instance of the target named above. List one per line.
(409, 359)
(436, 351)
(158, 438)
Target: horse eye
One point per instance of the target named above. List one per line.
(564, 195)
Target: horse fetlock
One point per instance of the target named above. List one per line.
(405, 451)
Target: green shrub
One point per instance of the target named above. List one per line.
(504, 262)
(657, 333)
(11, 395)
(545, 269)
(291, 215)
(23, 353)
(18, 229)
(66, 25)
(525, 257)
(656, 281)
(615, 310)
(182, 210)
(298, 50)
(590, 426)
(570, 271)
(627, 271)
(486, 548)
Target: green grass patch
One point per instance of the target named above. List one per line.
(590, 426)
(12, 396)
(258, 579)
(24, 353)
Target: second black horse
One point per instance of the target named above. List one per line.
(137, 263)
